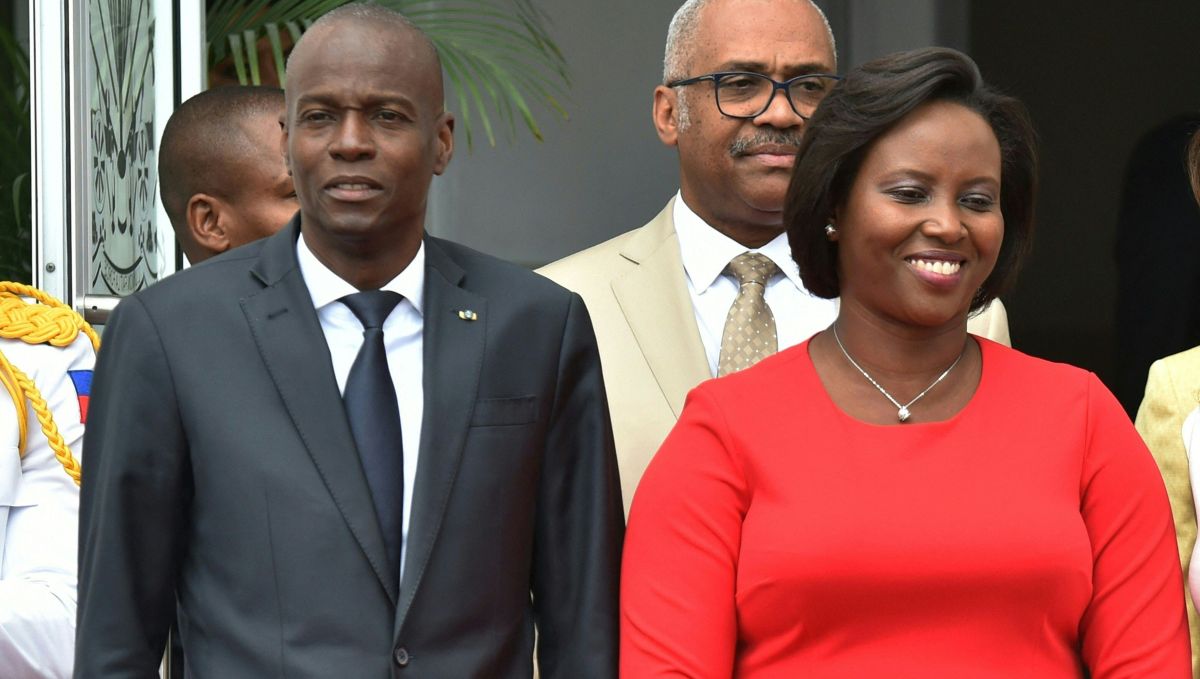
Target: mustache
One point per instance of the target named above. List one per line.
(745, 145)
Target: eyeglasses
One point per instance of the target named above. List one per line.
(748, 95)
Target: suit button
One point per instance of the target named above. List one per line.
(401, 656)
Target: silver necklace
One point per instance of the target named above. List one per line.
(902, 411)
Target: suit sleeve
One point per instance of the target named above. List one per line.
(1160, 422)
(678, 608)
(135, 488)
(580, 519)
(1135, 625)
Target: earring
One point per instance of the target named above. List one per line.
(830, 230)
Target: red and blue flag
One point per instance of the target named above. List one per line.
(82, 379)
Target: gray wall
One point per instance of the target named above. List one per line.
(873, 28)
(599, 174)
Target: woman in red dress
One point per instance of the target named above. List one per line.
(895, 497)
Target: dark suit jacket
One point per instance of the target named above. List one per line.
(219, 468)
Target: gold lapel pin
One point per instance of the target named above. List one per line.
(468, 315)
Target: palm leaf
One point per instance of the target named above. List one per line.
(500, 59)
(276, 48)
(226, 17)
(239, 59)
(462, 84)
(250, 40)
(504, 46)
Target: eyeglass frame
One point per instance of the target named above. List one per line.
(786, 86)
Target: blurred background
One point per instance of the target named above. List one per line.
(78, 195)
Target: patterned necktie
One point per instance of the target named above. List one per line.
(749, 334)
(374, 416)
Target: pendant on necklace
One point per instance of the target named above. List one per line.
(902, 413)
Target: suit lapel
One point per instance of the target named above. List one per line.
(292, 344)
(453, 359)
(658, 308)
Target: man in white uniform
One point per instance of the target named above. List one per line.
(40, 347)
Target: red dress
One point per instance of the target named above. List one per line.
(1028, 536)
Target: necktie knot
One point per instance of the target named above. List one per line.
(372, 306)
(752, 267)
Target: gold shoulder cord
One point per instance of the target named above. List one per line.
(47, 322)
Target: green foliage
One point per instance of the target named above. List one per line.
(15, 161)
(499, 58)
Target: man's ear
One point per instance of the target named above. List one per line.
(445, 143)
(206, 217)
(666, 114)
(283, 143)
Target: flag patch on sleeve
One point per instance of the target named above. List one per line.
(82, 379)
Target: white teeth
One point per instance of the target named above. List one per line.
(937, 266)
(353, 187)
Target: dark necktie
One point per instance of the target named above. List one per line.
(374, 417)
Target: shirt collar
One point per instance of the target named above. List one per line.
(706, 252)
(327, 287)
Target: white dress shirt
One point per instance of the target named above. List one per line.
(403, 338)
(706, 252)
(39, 515)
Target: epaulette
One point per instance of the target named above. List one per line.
(45, 320)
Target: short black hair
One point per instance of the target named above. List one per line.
(868, 103)
(200, 139)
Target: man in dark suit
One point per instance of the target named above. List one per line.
(244, 458)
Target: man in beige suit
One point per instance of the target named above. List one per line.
(659, 296)
(1173, 393)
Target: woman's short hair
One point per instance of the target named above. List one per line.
(868, 103)
(1194, 164)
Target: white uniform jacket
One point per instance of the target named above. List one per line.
(39, 513)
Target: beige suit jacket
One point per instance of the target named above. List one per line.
(1172, 392)
(650, 349)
